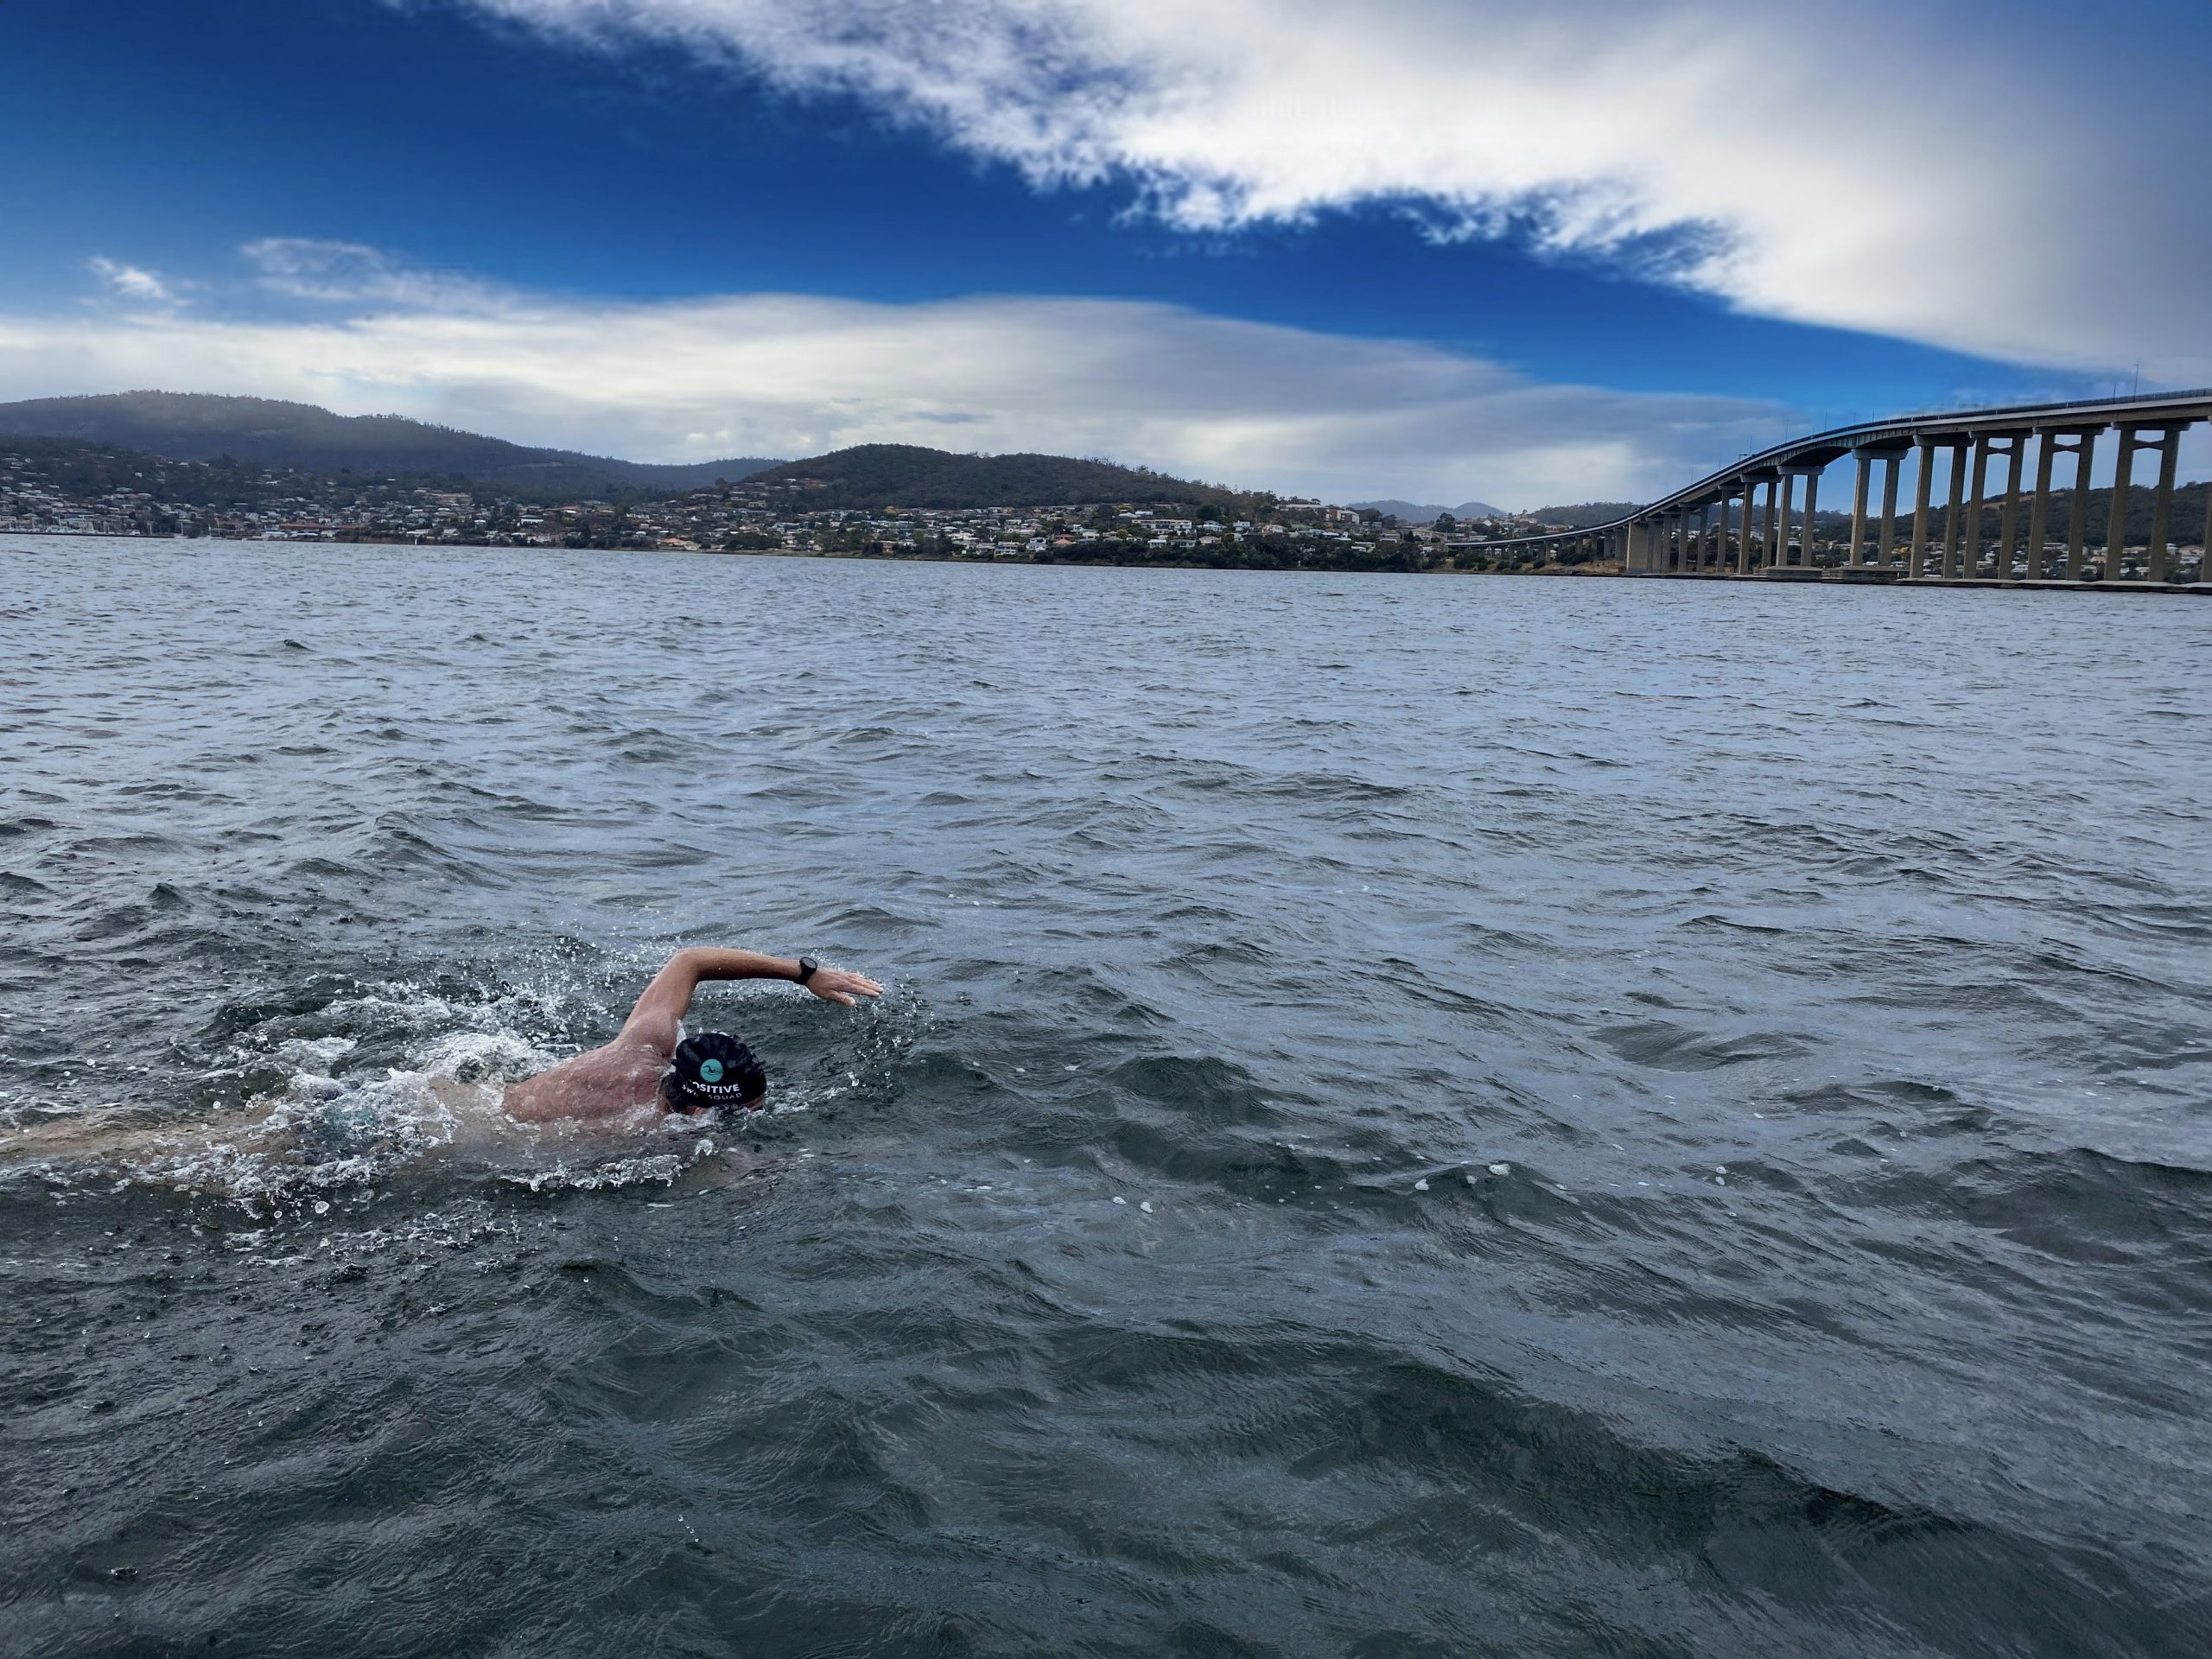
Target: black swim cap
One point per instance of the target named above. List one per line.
(712, 1070)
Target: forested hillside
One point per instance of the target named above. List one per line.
(190, 425)
(908, 476)
(1583, 515)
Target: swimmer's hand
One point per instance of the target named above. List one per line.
(835, 985)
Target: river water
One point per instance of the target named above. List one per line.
(1409, 1117)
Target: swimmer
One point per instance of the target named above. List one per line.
(651, 1062)
(651, 1059)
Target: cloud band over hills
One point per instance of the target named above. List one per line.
(1257, 406)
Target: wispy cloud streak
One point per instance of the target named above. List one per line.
(133, 282)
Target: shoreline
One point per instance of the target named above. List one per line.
(1794, 576)
(1594, 569)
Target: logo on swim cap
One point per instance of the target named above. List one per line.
(713, 1070)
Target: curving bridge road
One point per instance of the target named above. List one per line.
(1719, 527)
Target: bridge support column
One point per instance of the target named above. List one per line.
(1858, 510)
(2077, 527)
(2204, 554)
(1955, 519)
(1886, 544)
(2008, 522)
(1720, 537)
(1915, 563)
(2039, 507)
(2116, 527)
(1777, 531)
(2155, 565)
(1975, 499)
(1812, 508)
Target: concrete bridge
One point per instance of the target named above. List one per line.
(1745, 520)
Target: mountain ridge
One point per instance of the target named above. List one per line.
(308, 438)
(910, 475)
(207, 426)
(1583, 514)
(1415, 513)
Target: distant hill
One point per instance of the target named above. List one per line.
(1412, 514)
(1583, 515)
(192, 426)
(908, 476)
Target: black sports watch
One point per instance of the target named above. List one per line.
(806, 967)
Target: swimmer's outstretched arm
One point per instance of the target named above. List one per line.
(668, 998)
(108, 1135)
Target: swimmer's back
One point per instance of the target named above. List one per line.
(620, 1077)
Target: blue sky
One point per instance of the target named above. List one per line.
(1411, 247)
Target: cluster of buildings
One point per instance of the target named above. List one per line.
(66, 495)
(278, 505)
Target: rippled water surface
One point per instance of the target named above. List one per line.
(1410, 1116)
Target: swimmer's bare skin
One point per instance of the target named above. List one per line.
(624, 1074)
(112, 1136)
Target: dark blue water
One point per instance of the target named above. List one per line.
(1411, 1115)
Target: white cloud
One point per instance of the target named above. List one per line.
(305, 268)
(1246, 403)
(1972, 175)
(134, 283)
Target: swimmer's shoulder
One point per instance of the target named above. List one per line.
(615, 1078)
